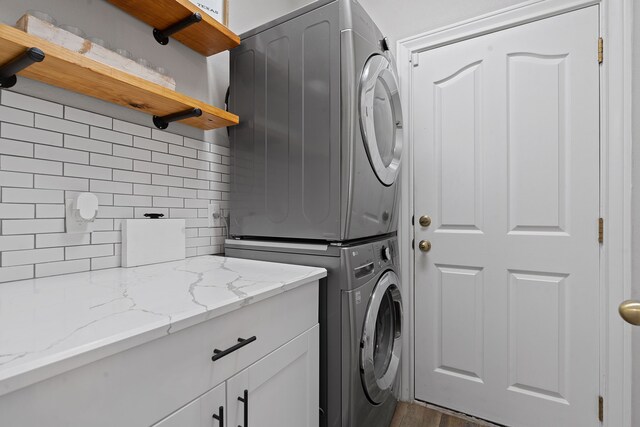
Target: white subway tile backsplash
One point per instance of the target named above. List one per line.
(171, 181)
(92, 251)
(61, 183)
(50, 152)
(131, 129)
(111, 187)
(10, 274)
(209, 176)
(150, 190)
(22, 164)
(15, 179)
(184, 172)
(168, 202)
(196, 164)
(140, 166)
(168, 159)
(134, 177)
(111, 136)
(61, 154)
(196, 144)
(61, 125)
(88, 118)
(31, 256)
(219, 186)
(183, 213)
(187, 193)
(16, 211)
(16, 243)
(132, 153)
(115, 212)
(209, 157)
(32, 226)
(29, 195)
(106, 262)
(29, 134)
(196, 183)
(50, 211)
(100, 237)
(62, 267)
(12, 115)
(111, 161)
(35, 105)
(179, 150)
(16, 148)
(86, 144)
(120, 200)
(219, 149)
(82, 171)
(62, 239)
(171, 138)
(149, 144)
(208, 194)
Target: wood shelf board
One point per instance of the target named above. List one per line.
(75, 72)
(207, 37)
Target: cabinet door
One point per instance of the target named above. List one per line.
(279, 390)
(200, 412)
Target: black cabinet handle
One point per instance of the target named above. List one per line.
(219, 354)
(219, 416)
(245, 400)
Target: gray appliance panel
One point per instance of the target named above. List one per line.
(286, 176)
(300, 169)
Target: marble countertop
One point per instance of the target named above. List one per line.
(52, 325)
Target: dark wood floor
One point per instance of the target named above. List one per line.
(416, 415)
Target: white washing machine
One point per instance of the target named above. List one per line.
(360, 323)
(316, 155)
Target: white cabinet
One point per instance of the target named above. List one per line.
(173, 381)
(279, 390)
(200, 412)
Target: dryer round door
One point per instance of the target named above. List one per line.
(381, 118)
(381, 339)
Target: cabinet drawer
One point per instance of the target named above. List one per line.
(143, 385)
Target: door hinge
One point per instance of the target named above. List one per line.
(601, 408)
(413, 244)
(413, 220)
(600, 230)
(600, 50)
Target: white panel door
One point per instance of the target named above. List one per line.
(506, 132)
(281, 389)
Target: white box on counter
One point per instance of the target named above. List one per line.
(152, 241)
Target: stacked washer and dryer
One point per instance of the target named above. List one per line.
(314, 181)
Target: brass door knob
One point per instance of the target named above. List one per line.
(424, 245)
(630, 312)
(425, 220)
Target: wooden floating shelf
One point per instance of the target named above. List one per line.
(207, 37)
(75, 72)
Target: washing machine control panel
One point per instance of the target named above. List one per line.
(385, 253)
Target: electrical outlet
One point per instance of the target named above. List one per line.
(214, 214)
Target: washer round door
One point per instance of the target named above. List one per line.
(381, 118)
(381, 340)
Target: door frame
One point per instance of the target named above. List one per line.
(615, 181)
